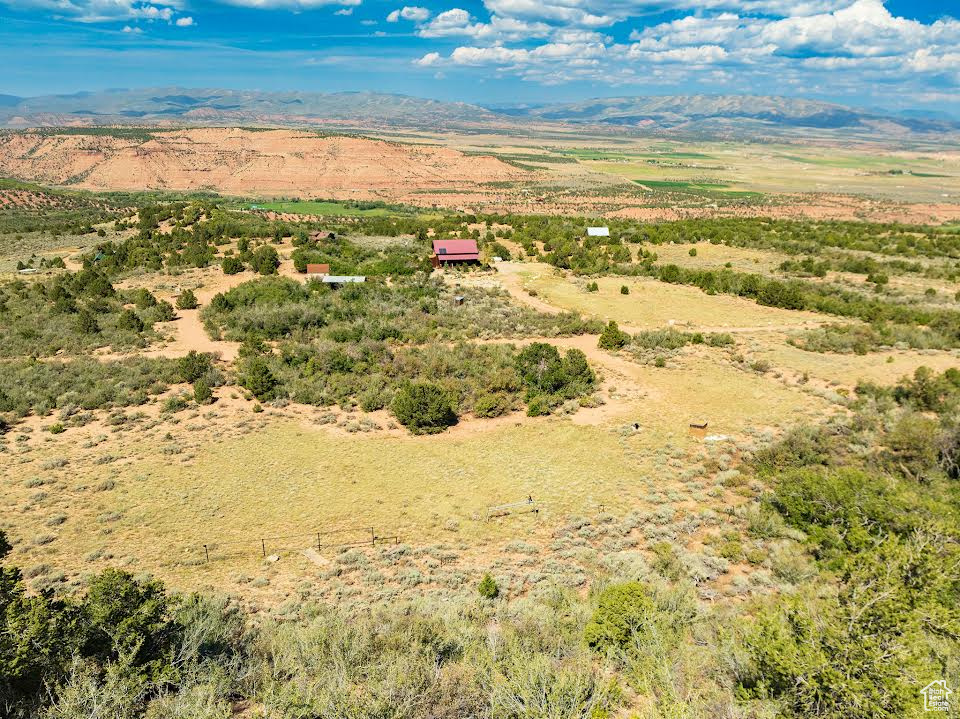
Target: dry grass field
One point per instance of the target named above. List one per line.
(151, 491)
(652, 304)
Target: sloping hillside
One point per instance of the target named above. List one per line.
(236, 161)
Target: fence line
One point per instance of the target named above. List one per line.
(316, 540)
(522, 507)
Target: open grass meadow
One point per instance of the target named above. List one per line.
(152, 494)
(651, 304)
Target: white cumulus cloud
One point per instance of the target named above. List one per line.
(412, 13)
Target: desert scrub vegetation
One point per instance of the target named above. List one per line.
(412, 311)
(352, 258)
(58, 212)
(31, 386)
(426, 387)
(75, 312)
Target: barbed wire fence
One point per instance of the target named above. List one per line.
(340, 538)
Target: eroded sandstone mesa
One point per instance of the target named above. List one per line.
(239, 161)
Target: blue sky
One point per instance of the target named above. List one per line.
(894, 54)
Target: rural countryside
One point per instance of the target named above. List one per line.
(579, 359)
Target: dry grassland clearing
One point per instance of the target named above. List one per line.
(848, 369)
(652, 304)
(714, 257)
(229, 476)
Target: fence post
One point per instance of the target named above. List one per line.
(263, 546)
(207, 551)
(373, 538)
(318, 541)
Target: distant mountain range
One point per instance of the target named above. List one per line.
(679, 110)
(211, 106)
(734, 116)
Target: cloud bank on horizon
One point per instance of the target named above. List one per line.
(888, 52)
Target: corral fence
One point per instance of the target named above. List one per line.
(341, 538)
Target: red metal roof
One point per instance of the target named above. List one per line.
(318, 269)
(456, 250)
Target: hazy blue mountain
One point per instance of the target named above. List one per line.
(701, 111)
(214, 105)
(740, 116)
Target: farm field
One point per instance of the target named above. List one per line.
(334, 209)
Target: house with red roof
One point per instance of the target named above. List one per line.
(447, 251)
(317, 270)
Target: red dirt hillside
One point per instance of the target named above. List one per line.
(235, 161)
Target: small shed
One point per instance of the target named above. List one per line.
(317, 270)
(342, 279)
(447, 251)
(598, 232)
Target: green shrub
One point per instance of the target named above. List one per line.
(844, 509)
(232, 265)
(162, 312)
(187, 300)
(491, 405)
(56, 428)
(538, 406)
(259, 379)
(857, 652)
(612, 338)
(194, 365)
(623, 611)
(5, 546)
(692, 252)
(143, 299)
(177, 403)
(914, 444)
(265, 260)
(129, 320)
(624, 290)
(87, 323)
(202, 394)
(540, 368)
(423, 408)
(666, 562)
(488, 588)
